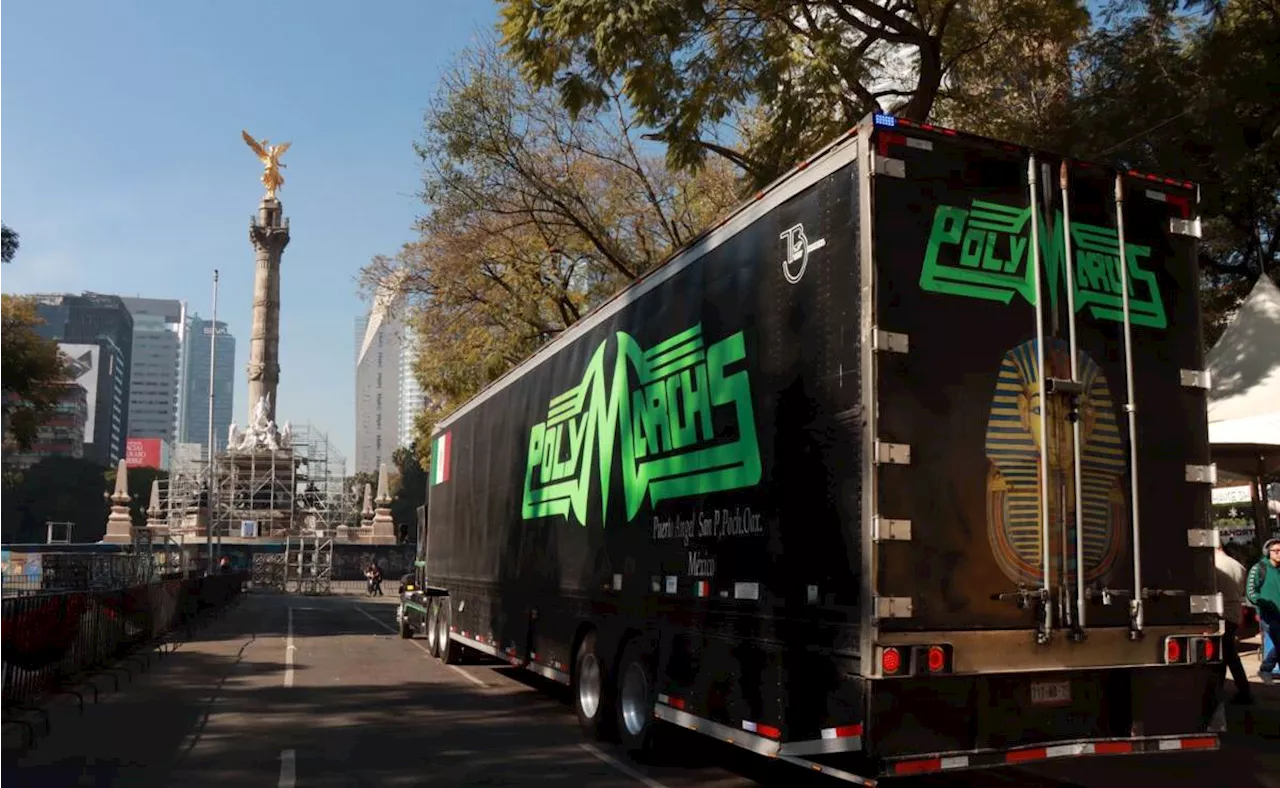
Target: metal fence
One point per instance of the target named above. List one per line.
(55, 639)
(53, 571)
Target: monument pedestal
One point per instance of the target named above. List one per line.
(119, 528)
(382, 527)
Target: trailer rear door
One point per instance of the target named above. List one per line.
(970, 535)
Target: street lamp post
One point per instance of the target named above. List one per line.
(213, 353)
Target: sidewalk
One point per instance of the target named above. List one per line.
(1263, 717)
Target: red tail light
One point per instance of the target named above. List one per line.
(1174, 653)
(890, 661)
(935, 659)
(932, 660)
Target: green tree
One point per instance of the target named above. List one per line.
(534, 218)
(34, 370)
(1191, 94)
(8, 243)
(806, 70)
(1014, 81)
(411, 491)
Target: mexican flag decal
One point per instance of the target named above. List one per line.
(440, 456)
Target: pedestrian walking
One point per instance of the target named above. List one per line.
(1262, 588)
(1231, 576)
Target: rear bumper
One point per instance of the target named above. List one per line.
(917, 718)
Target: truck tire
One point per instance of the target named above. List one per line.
(406, 627)
(593, 694)
(636, 697)
(433, 632)
(450, 652)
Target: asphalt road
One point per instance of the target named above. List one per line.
(295, 691)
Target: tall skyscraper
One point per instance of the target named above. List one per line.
(412, 398)
(154, 392)
(96, 331)
(377, 388)
(194, 427)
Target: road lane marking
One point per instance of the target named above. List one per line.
(422, 648)
(288, 769)
(289, 648)
(621, 767)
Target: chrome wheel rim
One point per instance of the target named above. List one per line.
(635, 699)
(589, 686)
(433, 635)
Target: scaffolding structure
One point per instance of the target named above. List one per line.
(308, 565)
(263, 494)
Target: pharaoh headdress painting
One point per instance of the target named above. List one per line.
(1013, 450)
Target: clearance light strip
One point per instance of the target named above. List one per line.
(1067, 750)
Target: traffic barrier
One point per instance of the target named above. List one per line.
(53, 641)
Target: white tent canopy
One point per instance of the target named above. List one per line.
(1244, 369)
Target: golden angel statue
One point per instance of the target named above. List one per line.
(270, 156)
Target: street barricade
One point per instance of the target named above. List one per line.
(54, 640)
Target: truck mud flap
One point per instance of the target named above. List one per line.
(1021, 756)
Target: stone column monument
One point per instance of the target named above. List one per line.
(119, 523)
(155, 515)
(269, 234)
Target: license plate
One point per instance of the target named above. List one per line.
(1051, 693)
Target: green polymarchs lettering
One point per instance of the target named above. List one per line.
(983, 252)
(658, 408)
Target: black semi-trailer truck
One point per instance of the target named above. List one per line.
(896, 470)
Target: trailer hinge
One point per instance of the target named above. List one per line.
(1202, 537)
(894, 168)
(1195, 378)
(893, 453)
(889, 530)
(1205, 474)
(1206, 603)
(893, 607)
(890, 342)
(1189, 227)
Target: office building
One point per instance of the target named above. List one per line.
(377, 386)
(194, 393)
(412, 397)
(388, 397)
(96, 331)
(159, 326)
(62, 435)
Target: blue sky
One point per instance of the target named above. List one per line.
(124, 171)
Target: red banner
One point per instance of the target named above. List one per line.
(143, 453)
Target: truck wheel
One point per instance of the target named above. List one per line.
(450, 652)
(592, 691)
(433, 633)
(406, 628)
(636, 698)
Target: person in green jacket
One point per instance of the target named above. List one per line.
(1262, 589)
